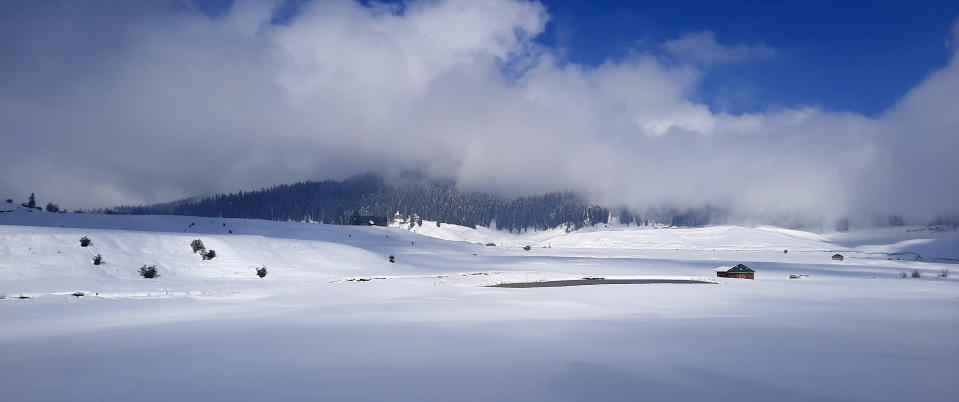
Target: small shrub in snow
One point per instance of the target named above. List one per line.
(197, 245)
(97, 259)
(148, 271)
(84, 241)
(392, 259)
(944, 273)
(261, 271)
(915, 273)
(208, 254)
(903, 274)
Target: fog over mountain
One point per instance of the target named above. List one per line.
(108, 104)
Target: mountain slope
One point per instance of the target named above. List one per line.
(331, 201)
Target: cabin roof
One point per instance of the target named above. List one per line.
(738, 268)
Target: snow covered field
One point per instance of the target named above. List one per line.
(335, 320)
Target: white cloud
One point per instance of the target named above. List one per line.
(702, 48)
(180, 105)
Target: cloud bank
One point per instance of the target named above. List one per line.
(110, 104)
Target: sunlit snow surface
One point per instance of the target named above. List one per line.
(427, 328)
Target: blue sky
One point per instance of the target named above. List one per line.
(855, 56)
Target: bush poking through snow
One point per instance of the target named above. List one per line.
(97, 259)
(903, 274)
(208, 254)
(84, 241)
(197, 245)
(148, 271)
(392, 259)
(261, 271)
(944, 273)
(915, 273)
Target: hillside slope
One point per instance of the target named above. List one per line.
(335, 320)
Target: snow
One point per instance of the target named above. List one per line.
(427, 328)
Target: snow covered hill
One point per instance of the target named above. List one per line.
(929, 243)
(334, 319)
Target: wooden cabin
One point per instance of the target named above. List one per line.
(739, 271)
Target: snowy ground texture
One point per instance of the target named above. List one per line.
(334, 320)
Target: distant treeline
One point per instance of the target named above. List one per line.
(331, 201)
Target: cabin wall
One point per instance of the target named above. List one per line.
(736, 275)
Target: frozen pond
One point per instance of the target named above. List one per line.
(595, 281)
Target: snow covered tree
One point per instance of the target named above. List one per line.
(51, 207)
(84, 241)
(148, 271)
(197, 245)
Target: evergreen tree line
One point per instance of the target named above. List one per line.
(334, 202)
